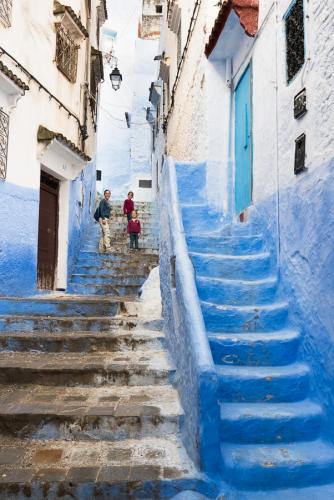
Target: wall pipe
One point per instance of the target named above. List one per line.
(42, 87)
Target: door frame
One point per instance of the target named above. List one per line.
(56, 192)
(236, 81)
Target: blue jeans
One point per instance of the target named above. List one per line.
(134, 240)
(129, 216)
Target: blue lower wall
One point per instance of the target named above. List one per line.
(81, 214)
(19, 214)
(305, 245)
(19, 209)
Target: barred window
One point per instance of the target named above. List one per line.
(4, 129)
(66, 54)
(6, 12)
(295, 39)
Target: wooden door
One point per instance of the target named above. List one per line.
(243, 143)
(47, 232)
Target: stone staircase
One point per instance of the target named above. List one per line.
(87, 406)
(123, 272)
(272, 444)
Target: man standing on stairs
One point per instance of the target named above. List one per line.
(104, 214)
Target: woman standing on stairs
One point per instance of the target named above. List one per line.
(102, 215)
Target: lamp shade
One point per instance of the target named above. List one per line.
(116, 78)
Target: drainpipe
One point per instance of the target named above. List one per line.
(230, 183)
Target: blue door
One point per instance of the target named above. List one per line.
(243, 143)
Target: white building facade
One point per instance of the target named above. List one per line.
(125, 140)
(49, 90)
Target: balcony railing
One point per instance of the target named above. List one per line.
(4, 130)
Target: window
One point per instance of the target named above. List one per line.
(158, 9)
(66, 54)
(295, 39)
(4, 129)
(6, 12)
(145, 183)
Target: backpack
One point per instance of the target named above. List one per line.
(97, 214)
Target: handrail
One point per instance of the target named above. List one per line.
(201, 349)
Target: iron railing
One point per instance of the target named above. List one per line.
(6, 12)
(66, 54)
(4, 131)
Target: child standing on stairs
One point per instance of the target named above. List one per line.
(134, 230)
(128, 205)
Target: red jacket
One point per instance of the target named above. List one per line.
(134, 226)
(128, 206)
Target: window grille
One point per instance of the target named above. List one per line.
(179, 45)
(158, 9)
(4, 129)
(295, 39)
(5, 12)
(66, 54)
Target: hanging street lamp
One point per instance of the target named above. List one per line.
(116, 78)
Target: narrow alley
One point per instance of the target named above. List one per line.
(166, 250)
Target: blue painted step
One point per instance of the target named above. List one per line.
(200, 218)
(323, 492)
(278, 466)
(255, 349)
(270, 422)
(84, 306)
(105, 279)
(231, 266)
(241, 292)
(227, 318)
(255, 384)
(103, 289)
(236, 245)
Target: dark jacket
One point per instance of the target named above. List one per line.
(134, 226)
(128, 206)
(104, 209)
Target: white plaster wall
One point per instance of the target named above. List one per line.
(141, 131)
(113, 144)
(31, 40)
(123, 154)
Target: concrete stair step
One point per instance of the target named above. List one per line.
(216, 265)
(102, 289)
(143, 468)
(237, 292)
(256, 384)
(93, 369)
(255, 349)
(106, 279)
(200, 218)
(58, 306)
(85, 414)
(277, 466)
(234, 245)
(270, 422)
(62, 323)
(254, 318)
(323, 492)
(85, 342)
(122, 270)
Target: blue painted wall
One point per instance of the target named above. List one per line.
(304, 242)
(82, 206)
(19, 213)
(19, 208)
(183, 321)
